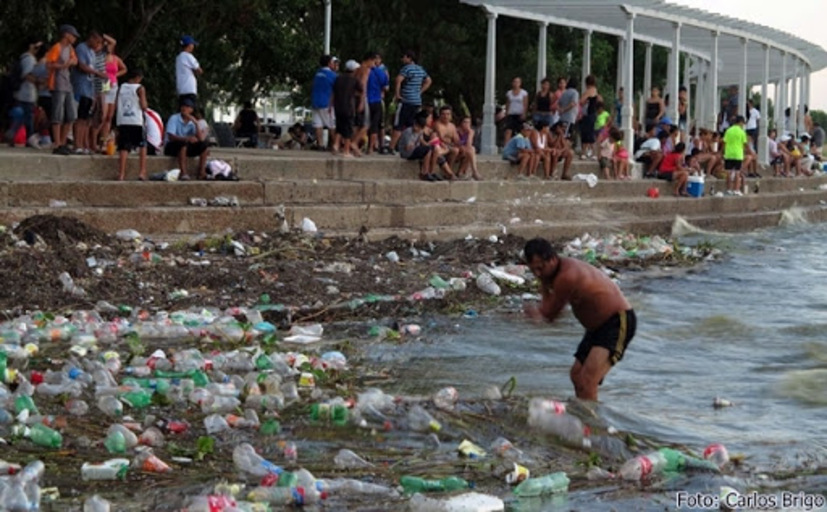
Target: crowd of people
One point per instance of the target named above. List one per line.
(84, 90)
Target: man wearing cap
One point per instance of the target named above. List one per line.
(347, 94)
(320, 96)
(182, 140)
(60, 59)
(186, 71)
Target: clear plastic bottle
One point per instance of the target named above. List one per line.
(420, 420)
(151, 437)
(247, 460)
(717, 454)
(349, 486)
(8, 468)
(446, 398)
(111, 469)
(544, 485)
(215, 423)
(110, 406)
(77, 407)
(149, 462)
(550, 416)
(347, 459)
(278, 496)
(96, 504)
(219, 404)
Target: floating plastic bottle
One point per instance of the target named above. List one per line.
(544, 485)
(550, 416)
(111, 469)
(347, 459)
(76, 407)
(148, 461)
(414, 484)
(278, 496)
(420, 420)
(337, 414)
(110, 406)
(247, 460)
(717, 454)
(351, 487)
(42, 435)
(664, 460)
(446, 398)
(115, 442)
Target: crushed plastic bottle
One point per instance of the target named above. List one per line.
(487, 285)
(149, 462)
(550, 416)
(446, 398)
(247, 460)
(347, 459)
(414, 484)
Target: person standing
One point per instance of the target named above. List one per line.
(130, 121)
(542, 103)
(410, 84)
(596, 302)
(752, 123)
(347, 93)
(60, 59)
(26, 95)
(187, 71)
(567, 105)
(113, 68)
(735, 142)
(84, 89)
(362, 120)
(516, 108)
(320, 96)
(378, 83)
(588, 102)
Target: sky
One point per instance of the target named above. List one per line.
(803, 18)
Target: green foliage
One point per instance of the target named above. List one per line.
(819, 116)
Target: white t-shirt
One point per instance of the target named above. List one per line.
(516, 107)
(754, 116)
(772, 146)
(652, 144)
(185, 66)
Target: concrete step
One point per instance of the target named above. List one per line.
(612, 213)
(324, 192)
(252, 165)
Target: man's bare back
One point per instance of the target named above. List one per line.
(596, 302)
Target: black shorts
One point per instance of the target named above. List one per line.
(359, 119)
(344, 124)
(375, 117)
(420, 152)
(131, 137)
(733, 165)
(193, 148)
(666, 176)
(85, 108)
(405, 116)
(514, 123)
(614, 335)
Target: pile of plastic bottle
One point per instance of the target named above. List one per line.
(622, 247)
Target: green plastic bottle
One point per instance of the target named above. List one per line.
(439, 283)
(3, 363)
(549, 484)
(115, 442)
(414, 484)
(288, 479)
(199, 378)
(270, 427)
(263, 362)
(336, 414)
(677, 462)
(138, 399)
(42, 435)
(23, 402)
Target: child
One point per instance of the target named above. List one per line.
(467, 151)
(130, 121)
(620, 157)
(606, 151)
(413, 145)
(603, 121)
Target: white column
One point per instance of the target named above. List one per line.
(701, 94)
(794, 99)
(688, 85)
(808, 72)
(587, 57)
(542, 53)
(621, 58)
(675, 76)
(782, 96)
(802, 87)
(629, 86)
(743, 93)
(328, 14)
(713, 84)
(667, 88)
(488, 144)
(763, 149)
(647, 71)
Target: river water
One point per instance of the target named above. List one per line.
(750, 328)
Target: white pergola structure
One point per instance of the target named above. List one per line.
(724, 51)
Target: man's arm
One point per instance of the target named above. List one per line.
(398, 93)
(426, 84)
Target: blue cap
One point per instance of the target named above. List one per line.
(188, 40)
(666, 120)
(187, 102)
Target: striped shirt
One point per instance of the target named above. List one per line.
(100, 66)
(411, 90)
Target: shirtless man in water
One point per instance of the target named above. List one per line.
(596, 302)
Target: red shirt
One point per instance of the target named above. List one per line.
(670, 162)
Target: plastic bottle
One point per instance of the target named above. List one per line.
(643, 466)
(544, 485)
(502, 447)
(115, 442)
(551, 417)
(8, 468)
(42, 435)
(413, 484)
(437, 282)
(25, 403)
(215, 423)
(715, 453)
(23, 493)
(220, 404)
(96, 504)
(347, 459)
(130, 438)
(279, 496)
(446, 398)
(247, 460)
(336, 414)
(151, 437)
(111, 469)
(486, 283)
(349, 487)
(69, 285)
(138, 399)
(147, 461)
(110, 406)
(420, 420)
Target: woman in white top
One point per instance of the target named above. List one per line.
(540, 141)
(516, 107)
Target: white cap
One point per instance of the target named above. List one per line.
(785, 138)
(351, 65)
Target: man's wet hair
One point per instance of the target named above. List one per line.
(539, 247)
